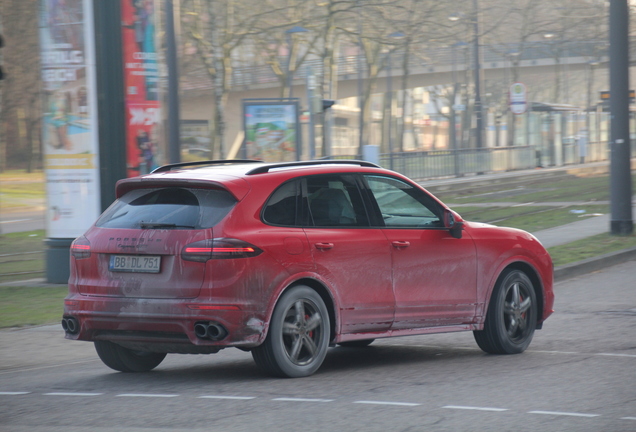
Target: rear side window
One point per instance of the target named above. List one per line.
(282, 207)
(168, 208)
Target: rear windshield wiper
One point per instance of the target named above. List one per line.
(150, 225)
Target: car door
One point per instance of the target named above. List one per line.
(434, 274)
(353, 258)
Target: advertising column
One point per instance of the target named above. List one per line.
(141, 79)
(69, 130)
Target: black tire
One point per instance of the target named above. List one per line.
(357, 344)
(125, 360)
(512, 315)
(298, 336)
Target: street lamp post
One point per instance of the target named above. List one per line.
(290, 71)
(389, 87)
(479, 114)
(620, 176)
(453, 112)
(174, 145)
(360, 91)
(479, 118)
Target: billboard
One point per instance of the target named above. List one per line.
(69, 128)
(271, 128)
(141, 81)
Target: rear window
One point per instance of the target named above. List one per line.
(168, 208)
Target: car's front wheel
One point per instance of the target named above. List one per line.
(126, 360)
(512, 315)
(298, 336)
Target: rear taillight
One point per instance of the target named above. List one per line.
(81, 248)
(220, 248)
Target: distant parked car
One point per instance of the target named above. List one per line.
(199, 151)
(285, 260)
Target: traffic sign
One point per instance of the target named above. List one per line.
(518, 98)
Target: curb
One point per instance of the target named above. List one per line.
(593, 264)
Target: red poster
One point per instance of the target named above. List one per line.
(141, 79)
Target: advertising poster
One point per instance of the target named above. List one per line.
(141, 81)
(69, 129)
(271, 130)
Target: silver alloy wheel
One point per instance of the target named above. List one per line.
(512, 315)
(302, 331)
(516, 305)
(298, 336)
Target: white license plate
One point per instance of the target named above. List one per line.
(135, 263)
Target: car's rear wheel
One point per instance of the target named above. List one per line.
(126, 360)
(298, 336)
(357, 344)
(512, 315)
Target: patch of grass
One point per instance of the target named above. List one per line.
(27, 241)
(566, 188)
(550, 218)
(21, 190)
(22, 256)
(530, 218)
(24, 306)
(493, 214)
(590, 247)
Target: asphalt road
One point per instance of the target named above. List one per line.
(578, 375)
(11, 222)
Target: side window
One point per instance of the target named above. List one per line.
(281, 207)
(402, 205)
(335, 201)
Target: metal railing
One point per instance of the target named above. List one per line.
(420, 165)
(455, 163)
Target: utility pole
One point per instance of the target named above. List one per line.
(479, 111)
(360, 96)
(174, 144)
(620, 162)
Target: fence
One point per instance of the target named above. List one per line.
(456, 163)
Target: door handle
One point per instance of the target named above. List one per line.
(324, 246)
(400, 244)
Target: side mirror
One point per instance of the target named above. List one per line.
(454, 226)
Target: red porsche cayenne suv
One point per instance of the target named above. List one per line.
(285, 260)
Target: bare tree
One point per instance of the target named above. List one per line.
(216, 28)
(20, 89)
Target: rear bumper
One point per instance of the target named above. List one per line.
(161, 325)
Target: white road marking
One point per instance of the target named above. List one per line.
(302, 400)
(13, 393)
(475, 408)
(16, 220)
(227, 397)
(387, 403)
(528, 351)
(147, 395)
(559, 413)
(628, 418)
(72, 394)
(616, 355)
